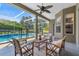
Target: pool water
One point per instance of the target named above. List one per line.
(8, 37)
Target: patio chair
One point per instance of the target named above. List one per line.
(22, 50)
(55, 48)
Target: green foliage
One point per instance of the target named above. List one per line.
(10, 25)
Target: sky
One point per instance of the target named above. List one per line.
(10, 12)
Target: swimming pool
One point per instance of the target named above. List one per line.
(8, 37)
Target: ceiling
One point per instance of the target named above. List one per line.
(55, 9)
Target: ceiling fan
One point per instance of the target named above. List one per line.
(44, 8)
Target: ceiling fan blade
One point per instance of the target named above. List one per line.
(47, 11)
(50, 6)
(38, 6)
(37, 10)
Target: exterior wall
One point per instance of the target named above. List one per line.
(59, 22)
(70, 37)
(72, 42)
(67, 12)
(74, 48)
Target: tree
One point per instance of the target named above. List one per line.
(27, 22)
(42, 25)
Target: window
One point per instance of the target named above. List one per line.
(69, 20)
(58, 24)
(58, 29)
(69, 29)
(69, 24)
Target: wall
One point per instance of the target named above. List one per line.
(74, 48)
(59, 22)
(68, 13)
(72, 42)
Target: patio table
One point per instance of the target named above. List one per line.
(40, 43)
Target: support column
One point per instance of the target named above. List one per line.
(36, 26)
(51, 27)
(77, 25)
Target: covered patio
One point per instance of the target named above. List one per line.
(53, 33)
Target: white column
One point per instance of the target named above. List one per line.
(51, 27)
(77, 25)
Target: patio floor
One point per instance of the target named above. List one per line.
(9, 51)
